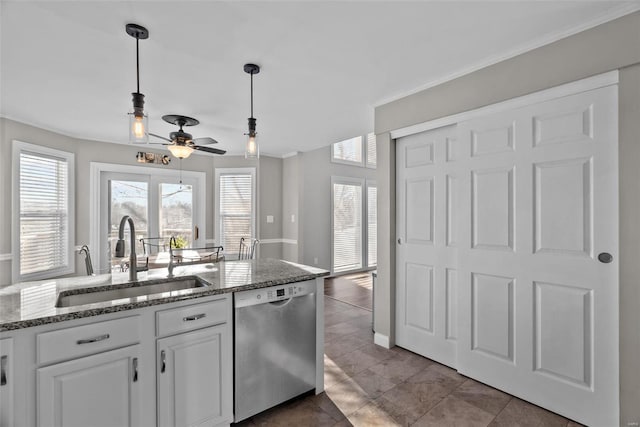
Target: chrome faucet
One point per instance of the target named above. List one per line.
(133, 259)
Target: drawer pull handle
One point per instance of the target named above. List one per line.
(163, 359)
(94, 339)
(194, 317)
(3, 370)
(135, 369)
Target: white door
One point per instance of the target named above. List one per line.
(98, 390)
(539, 205)
(426, 260)
(194, 383)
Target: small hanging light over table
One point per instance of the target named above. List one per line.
(138, 120)
(252, 151)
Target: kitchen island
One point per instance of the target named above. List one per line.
(161, 358)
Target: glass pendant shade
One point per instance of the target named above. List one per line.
(138, 128)
(252, 151)
(180, 151)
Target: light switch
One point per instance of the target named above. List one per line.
(269, 219)
(293, 218)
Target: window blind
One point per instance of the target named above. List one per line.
(371, 150)
(236, 209)
(44, 213)
(372, 226)
(347, 226)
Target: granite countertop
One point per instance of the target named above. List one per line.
(29, 304)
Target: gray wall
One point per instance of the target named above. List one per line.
(290, 206)
(315, 172)
(270, 203)
(614, 45)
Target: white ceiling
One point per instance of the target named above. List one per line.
(69, 66)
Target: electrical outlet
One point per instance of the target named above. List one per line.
(269, 219)
(293, 218)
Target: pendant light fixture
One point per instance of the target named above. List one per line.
(138, 120)
(252, 151)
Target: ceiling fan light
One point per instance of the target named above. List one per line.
(180, 151)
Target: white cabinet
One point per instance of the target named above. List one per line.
(6, 382)
(98, 390)
(193, 378)
(194, 367)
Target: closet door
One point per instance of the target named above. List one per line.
(426, 269)
(538, 295)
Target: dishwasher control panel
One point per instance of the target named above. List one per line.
(274, 293)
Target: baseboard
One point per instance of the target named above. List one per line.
(381, 340)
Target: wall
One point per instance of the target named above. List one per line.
(613, 45)
(315, 172)
(290, 207)
(270, 203)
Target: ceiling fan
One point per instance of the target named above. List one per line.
(182, 144)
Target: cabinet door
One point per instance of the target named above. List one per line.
(194, 378)
(98, 390)
(6, 382)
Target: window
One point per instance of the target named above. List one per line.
(354, 152)
(159, 205)
(347, 224)
(372, 224)
(348, 151)
(371, 151)
(235, 201)
(43, 223)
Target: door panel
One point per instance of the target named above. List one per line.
(538, 201)
(427, 204)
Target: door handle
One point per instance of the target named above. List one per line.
(135, 369)
(605, 257)
(3, 370)
(163, 359)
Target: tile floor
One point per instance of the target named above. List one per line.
(367, 385)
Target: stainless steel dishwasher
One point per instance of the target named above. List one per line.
(275, 346)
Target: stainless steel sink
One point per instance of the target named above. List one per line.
(67, 300)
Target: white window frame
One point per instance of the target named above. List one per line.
(218, 223)
(349, 162)
(369, 183)
(97, 193)
(364, 145)
(349, 181)
(24, 147)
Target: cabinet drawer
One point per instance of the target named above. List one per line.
(70, 343)
(191, 317)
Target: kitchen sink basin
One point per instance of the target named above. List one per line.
(68, 300)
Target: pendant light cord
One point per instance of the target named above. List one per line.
(252, 95)
(137, 64)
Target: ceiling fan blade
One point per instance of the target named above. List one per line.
(161, 137)
(204, 141)
(209, 149)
